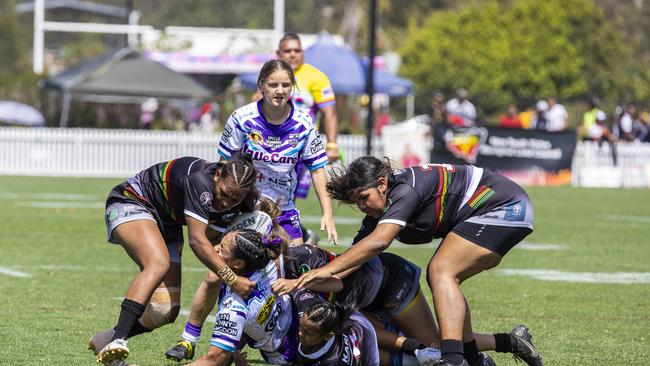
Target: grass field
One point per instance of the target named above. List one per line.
(589, 303)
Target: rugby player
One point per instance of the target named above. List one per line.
(479, 214)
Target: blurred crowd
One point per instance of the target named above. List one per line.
(625, 123)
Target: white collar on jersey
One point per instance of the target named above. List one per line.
(320, 352)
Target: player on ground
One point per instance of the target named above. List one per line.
(481, 216)
(276, 135)
(146, 215)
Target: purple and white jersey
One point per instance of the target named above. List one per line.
(263, 317)
(275, 149)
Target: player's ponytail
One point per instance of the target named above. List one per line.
(255, 249)
(361, 174)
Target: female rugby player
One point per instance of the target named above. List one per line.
(276, 135)
(146, 214)
(479, 214)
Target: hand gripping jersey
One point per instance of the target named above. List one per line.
(173, 189)
(429, 200)
(363, 284)
(275, 150)
(264, 318)
(313, 91)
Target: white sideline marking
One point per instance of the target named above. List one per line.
(48, 196)
(626, 218)
(12, 273)
(59, 204)
(586, 277)
(524, 245)
(338, 220)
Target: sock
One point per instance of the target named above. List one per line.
(503, 342)
(471, 351)
(452, 351)
(129, 315)
(138, 328)
(191, 333)
(410, 345)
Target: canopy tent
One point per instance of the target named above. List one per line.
(345, 70)
(15, 113)
(123, 76)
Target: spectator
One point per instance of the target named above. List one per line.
(629, 127)
(527, 117)
(556, 116)
(598, 131)
(460, 111)
(438, 111)
(511, 118)
(589, 119)
(539, 120)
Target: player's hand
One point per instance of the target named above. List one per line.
(313, 277)
(332, 154)
(283, 286)
(243, 286)
(241, 358)
(327, 223)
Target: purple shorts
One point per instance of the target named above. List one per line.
(290, 222)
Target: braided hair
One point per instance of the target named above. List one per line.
(327, 317)
(242, 172)
(256, 250)
(361, 174)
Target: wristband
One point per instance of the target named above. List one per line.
(227, 275)
(331, 145)
(410, 345)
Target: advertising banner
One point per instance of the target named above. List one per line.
(530, 157)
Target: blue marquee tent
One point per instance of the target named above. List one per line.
(345, 70)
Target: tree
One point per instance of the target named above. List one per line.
(518, 51)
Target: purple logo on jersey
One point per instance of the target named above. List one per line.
(270, 157)
(206, 199)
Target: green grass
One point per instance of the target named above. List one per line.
(78, 278)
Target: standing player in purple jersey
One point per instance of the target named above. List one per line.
(479, 214)
(276, 135)
(146, 215)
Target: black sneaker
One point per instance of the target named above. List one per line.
(523, 348)
(484, 360)
(183, 350)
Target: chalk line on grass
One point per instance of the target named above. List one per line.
(586, 277)
(14, 273)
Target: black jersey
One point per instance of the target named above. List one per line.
(175, 188)
(363, 284)
(429, 200)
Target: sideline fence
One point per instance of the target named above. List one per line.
(81, 152)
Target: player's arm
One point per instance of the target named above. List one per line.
(205, 252)
(284, 286)
(365, 249)
(330, 125)
(319, 177)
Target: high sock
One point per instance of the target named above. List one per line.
(471, 351)
(503, 342)
(452, 351)
(191, 333)
(138, 328)
(129, 315)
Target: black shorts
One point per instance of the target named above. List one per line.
(498, 239)
(399, 287)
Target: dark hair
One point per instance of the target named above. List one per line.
(254, 249)
(271, 66)
(269, 207)
(361, 174)
(289, 36)
(242, 171)
(327, 317)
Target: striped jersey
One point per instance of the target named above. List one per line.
(274, 149)
(263, 317)
(179, 187)
(428, 201)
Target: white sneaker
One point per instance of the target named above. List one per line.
(428, 356)
(116, 350)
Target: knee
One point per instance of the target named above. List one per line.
(438, 272)
(158, 266)
(163, 307)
